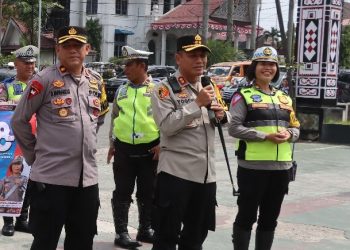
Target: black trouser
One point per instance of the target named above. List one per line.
(127, 169)
(180, 201)
(53, 206)
(25, 207)
(263, 190)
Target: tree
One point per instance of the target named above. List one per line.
(345, 48)
(281, 25)
(94, 31)
(274, 34)
(223, 51)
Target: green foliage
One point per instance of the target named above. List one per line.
(4, 60)
(345, 48)
(223, 52)
(275, 35)
(94, 31)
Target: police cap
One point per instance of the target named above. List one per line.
(129, 53)
(72, 32)
(27, 53)
(189, 43)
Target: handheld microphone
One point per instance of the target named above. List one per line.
(205, 80)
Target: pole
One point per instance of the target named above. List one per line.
(290, 51)
(229, 31)
(1, 1)
(39, 35)
(205, 19)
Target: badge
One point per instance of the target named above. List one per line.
(260, 106)
(63, 112)
(58, 84)
(35, 89)
(182, 94)
(181, 80)
(256, 98)
(17, 89)
(93, 84)
(62, 69)
(58, 101)
(163, 92)
(96, 102)
(283, 99)
(68, 101)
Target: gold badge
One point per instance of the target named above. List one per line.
(58, 84)
(267, 52)
(72, 31)
(260, 106)
(198, 39)
(62, 69)
(182, 94)
(283, 99)
(93, 83)
(58, 101)
(96, 102)
(63, 112)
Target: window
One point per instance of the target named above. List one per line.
(121, 7)
(91, 7)
(119, 42)
(167, 4)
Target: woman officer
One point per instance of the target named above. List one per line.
(264, 121)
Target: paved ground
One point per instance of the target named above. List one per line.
(315, 214)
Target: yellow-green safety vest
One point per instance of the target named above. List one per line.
(269, 114)
(135, 123)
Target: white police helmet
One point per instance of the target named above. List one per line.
(265, 54)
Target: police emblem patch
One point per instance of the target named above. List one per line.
(63, 112)
(35, 89)
(58, 84)
(256, 98)
(68, 101)
(163, 92)
(96, 102)
(283, 99)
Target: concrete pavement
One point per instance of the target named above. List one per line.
(315, 214)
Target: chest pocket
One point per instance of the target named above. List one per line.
(94, 107)
(62, 109)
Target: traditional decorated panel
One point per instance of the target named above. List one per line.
(318, 35)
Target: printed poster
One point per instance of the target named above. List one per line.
(14, 171)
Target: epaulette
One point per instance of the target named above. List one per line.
(95, 74)
(174, 84)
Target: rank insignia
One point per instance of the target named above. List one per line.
(63, 69)
(256, 98)
(182, 94)
(35, 89)
(93, 83)
(96, 102)
(58, 84)
(68, 101)
(163, 92)
(181, 80)
(63, 112)
(283, 99)
(58, 101)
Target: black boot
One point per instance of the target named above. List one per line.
(240, 238)
(8, 229)
(264, 239)
(120, 216)
(145, 231)
(21, 224)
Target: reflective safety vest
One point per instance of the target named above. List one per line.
(135, 123)
(269, 114)
(15, 90)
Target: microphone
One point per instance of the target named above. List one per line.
(205, 80)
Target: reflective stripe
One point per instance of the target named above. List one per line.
(266, 123)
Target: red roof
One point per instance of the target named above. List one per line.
(21, 25)
(190, 16)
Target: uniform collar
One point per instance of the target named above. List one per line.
(181, 80)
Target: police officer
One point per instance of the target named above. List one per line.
(264, 121)
(70, 103)
(11, 90)
(134, 139)
(185, 195)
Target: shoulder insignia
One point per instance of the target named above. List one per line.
(63, 69)
(283, 99)
(35, 88)
(236, 97)
(163, 92)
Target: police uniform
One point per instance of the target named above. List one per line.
(186, 181)
(69, 110)
(133, 134)
(11, 90)
(263, 175)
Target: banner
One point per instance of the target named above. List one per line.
(14, 171)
